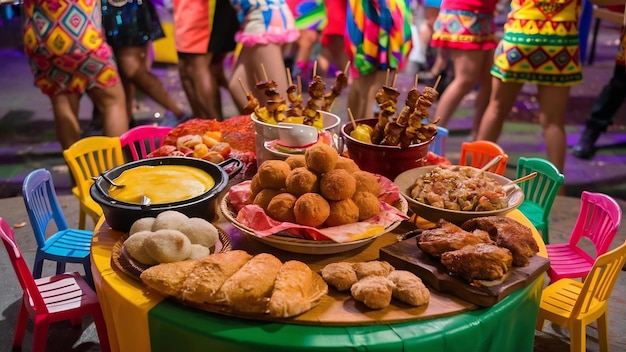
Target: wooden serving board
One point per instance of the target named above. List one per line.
(408, 256)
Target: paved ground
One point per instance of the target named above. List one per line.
(27, 142)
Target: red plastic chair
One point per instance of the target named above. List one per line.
(142, 140)
(478, 153)
(50, 299)
(598, 220)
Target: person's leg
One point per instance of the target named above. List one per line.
(65, 110)
(110, 102)
(552, 110)
(503, 96)
(362, 93)
(484, 91)
(602, 111)
(468, 68)
(198, 85)
(133, 68)
(306, 42)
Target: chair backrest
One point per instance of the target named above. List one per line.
(478, 153)
(90, 157)
(599, 282)
(24, 276)
(142, 140)
(42, 204)
(598, 220)
(438, 145)
(544, 187)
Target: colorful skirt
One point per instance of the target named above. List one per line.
(309, 14)
(265, 22)
(379, 35)
(539, 52)
(464, 30)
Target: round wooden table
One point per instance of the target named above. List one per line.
(139, 319)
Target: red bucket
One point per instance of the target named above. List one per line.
(385, 160)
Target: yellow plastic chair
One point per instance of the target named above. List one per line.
(539, 192)
(87, 158)
(574, 304)
(478, 153)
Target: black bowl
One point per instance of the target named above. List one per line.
(120, 215)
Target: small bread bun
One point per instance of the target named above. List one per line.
(264, 197)
(134, 245)
(368, 204)
(295, 161)
(200, 231)
(143, 224)
(301, 180)
(273, 173)
(337, 184)
(321, 157)
(170, 220)
(199, 251)
(342, 212)
(311, 209)
(281, 207)
(166, 246)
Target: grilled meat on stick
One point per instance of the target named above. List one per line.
(317, 88)
(294, 94)
(395, 129)
(341, 82)
(387, 99)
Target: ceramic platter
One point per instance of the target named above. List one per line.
(271, 147)
(299, 245)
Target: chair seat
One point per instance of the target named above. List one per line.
(568, 261)
(65, 293)
(534, 213)
(559, 298)
(69, 243)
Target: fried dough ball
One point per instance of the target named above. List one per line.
(366, 181)
(374, 291)
(347, 164)
(166, 246)
(273, 173)
(143, 224)
(255, 186)
(135, 248)
(301, 180)
(342, 212)
(321, 157)
(295, 161)
(264, 197)
(341, 275)
(311, 209)
(368, 204)
(337, 184)
(280, 208)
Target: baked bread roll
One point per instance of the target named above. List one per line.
(372, 268)
(409, 288)
(168, 278)
(249, 289)
(374, 291)
(341, 275)
(291, 290)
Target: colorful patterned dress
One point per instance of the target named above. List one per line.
(379, 35)
(540, 43)
(465, 25)
(264, 22)
(65, 44)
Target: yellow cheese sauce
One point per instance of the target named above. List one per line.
(161, 183)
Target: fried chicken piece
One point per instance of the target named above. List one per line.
(478, 262)
(448, 237)
(509, 234)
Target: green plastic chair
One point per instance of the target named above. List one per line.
(539, 192)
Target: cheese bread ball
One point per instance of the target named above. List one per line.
(311, 209)
(134, 246)
(295, 161)
(143, 224)
(273, 174)
(166, 246)
(368, 204)
(347, 164)
(321, 157)
(280, 208)
(367, 181)
(342, 212)
(301, 180)
(264, 197)
(337, 184)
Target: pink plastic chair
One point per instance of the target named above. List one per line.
(50, 299)
(142, 140)
(598, 220)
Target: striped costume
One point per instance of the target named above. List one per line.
(65, 44)
(540, 43)
(379, 35)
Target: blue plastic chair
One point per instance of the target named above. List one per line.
(438, 145)
(539, 192)
(67, 245)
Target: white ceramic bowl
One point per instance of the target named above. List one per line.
(406, 180)
(296, 134)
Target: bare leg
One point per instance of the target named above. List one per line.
(198, 84)
(503, 96)
(110, 102)
(484, 92)
(337, 51)
(254, 64)
(552, 110)
(443, 55)
(468, 71)
(65, 109)
(362, 93)
(133, 68)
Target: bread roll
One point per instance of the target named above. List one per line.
(341, 275)
(134, 246)
(291, 288)
(168, 278)
(166, 246)
(372, 268)
(374, 291)
(409, 288)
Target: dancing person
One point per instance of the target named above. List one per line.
(465, 29)
(129, 28)
(426, 30)
(266, 25)
(204, 33)
(608, 102)
(545, 42)
(66, 63)
(379, 39)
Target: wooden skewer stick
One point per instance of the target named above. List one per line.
(245, 91)
(395, 77)
(437, 82)
(314, 69)
(352, 119)
(299, 85)
(415, 81)
(345, 70)
(289, 81)
(264, 73)
(387, 77)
